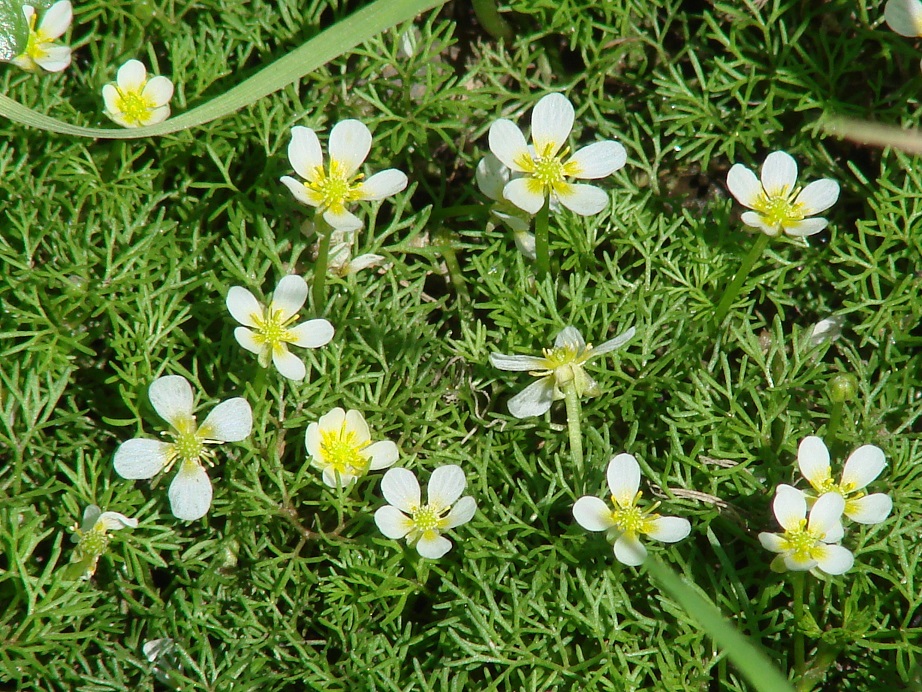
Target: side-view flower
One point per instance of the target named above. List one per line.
(340, 445)
(41, 51)
(625, 523)
(133, 100)
(91, 537)
(190, 492)
(422, 524)
(492, 177)
(557, 368)
(268, 333)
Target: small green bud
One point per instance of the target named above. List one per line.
(842, 388)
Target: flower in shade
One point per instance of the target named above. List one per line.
(91, 537)
(41, 51)
(133, 100)
(904, 17)
(190, 492)
(861, 467)
(423, 524)
(340, 261)
(559, 367)
(808, 543)
(334, 188)
(340, 445)
(492, 176)
(543, 168)
(268, 332)
(625, 522)
(777, 203)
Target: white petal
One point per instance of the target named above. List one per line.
(534, 400)
(301, 193)
(790, 507)
(871, 509)
(55, 59)
(584, 200)
(289, 296)
(131, 76)
(598, 160)
(623, 475)
(524, 241)
(668, 529)
(904, 17)
(171, 397)
(863, 466)
(446, 485)
(779, 173)
(333, 479)
(288, 364)
(363, 262)
(305, 153)
(826, 513)
(114, 521)
(796, 564)
(551, 122)
(246, 339)
(383, 184)
(109, 97)
(518, 363)
(612, 344)
(350, 141)
(492, 176)
(756, 220)
(392, 522)
(772, 542)
(57, 19)
(92, 512)
(835, 533)
(244, 307)
(342, 220)
(229, 421)
(805, 227)
(630, 551)
(570, 337)
(525, 193)
(333, 420)
(592, 514)
(401, 489)
(157, 115)
(813, 461)
(818, 196)
(461, 513)
(312, 440)
(190, 493)
(383, 454)
(827, 329)
(433, 547)
(311, 334)
(744, 185)
(834, 559)
(159, 90)
(508, 144)
(141, 458)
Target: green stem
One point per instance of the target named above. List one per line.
(454, 268)
(574, 427)
(491, 20)
(758, 247)
(835, 417)
(800, 665)
(318, 291)
(542, 253)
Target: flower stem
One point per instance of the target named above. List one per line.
(491, 20)
(543, 255)
(800, 666)
(444, 239)
(318, 291)
(574, 428)
(835, 417)
(758, 247)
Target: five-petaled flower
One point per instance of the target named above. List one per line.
(41, 51)
(91, 537)
(808, 543)
(422, 525)
(340, 445)
(544, 166)
(190, 492)
(626, 522)
(133, 100)
(333, 188)
(559, 367)
(861, 467)
(268, 333)
(904, 17)
(777, 203)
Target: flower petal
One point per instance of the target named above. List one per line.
(190, 492)
(592, 514)
(244, 307)
(904, 17)
(114, 521)
(772, 542)
(350, 141)
(462, 512)
(584, 200)
(392, 522)
(312, 441)
(598, 160)
(109, 97)
(805, 227)
(305, 153)
(790, 507)
(301, 193)
(834, 559)
(383, 454)
(229, 421)
(141, 458)
(508, 144)
(525, 193)
(57, 19)
(871, 509)
(446, 485)
(668, 529)
(55, 59)
(492, 176)
(289, 296)
(756, 220)
(355, 423)
(131, 76)
(813, 461)
(826, 513)
(744, 185)
(248, 341)
(863, 466)
(534, 400)
(92, 512)
(311, 334)
(797, 564)
(288, 364)
(835, 533)
(433, 546)
(518, 363)
(818, 196)
(629, 550)
(342, 220)
(333, 479)
(612, 344)
(570, 337)
(158, 89)
(551, 122)
(623, 475)
(383, 184)
(171, 397)
(401, 489)
(362, 262)
(779, 174)
(333, 420)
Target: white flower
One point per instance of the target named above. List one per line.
(41, 51)
(861, 467)
(778, 204)
(332, 189)
(268, 333)
(92, 539)
(543, 168)
(827, 329)
(190, 492)
(340, 445)
(559, 366)
(423, 524)
(340, 261)
(627, 522)
(492, 177)
(133, 100)
(904, 17)
(806, 544)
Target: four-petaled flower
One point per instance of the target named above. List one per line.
(190, 492)
(268, 333)
(332, 189)
(544, 167)
(904, 17)
(806, 544)
(777, 203)
(627, 522)
(41, 51)
(133, 100)
(92, 540)
(559, 367)
(340, 445)
(861, 467)
(423, 524)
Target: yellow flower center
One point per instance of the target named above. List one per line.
(273, 330)
(189, 444)
(631, 519)
(801, 542)
(779, 210)
(335, 188)
(134, 106)
(427, 518)
(547, 170)
(343, 452)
